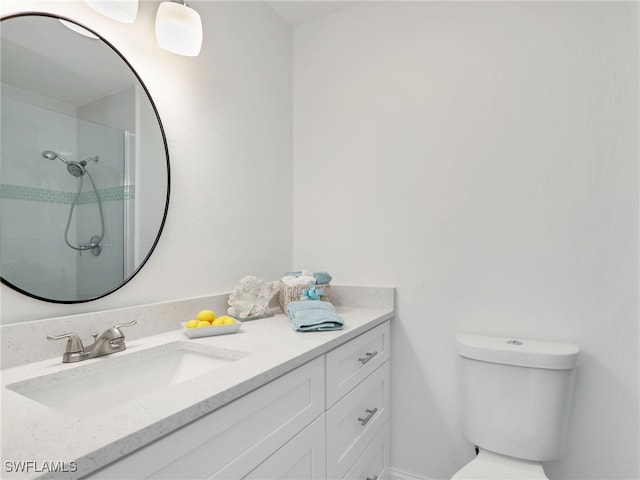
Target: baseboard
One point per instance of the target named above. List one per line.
(395, 474)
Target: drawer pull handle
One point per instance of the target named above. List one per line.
(368, 356)
(365, 420)
(375, 477)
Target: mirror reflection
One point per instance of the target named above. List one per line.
(84, 183)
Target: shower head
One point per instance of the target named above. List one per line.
(76, 168)
(49, 155)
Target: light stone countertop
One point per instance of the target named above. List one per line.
(34, 432)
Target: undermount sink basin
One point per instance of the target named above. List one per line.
(113, 380)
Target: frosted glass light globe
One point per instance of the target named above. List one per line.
(179, 29)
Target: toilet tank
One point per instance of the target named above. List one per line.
(517, 394)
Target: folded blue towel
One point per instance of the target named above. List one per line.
(313, 315)
(322, 278)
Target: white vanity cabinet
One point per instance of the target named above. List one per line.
(230, 442)
(357, 402)
(373, 464)
(327, 419)
(301, 458)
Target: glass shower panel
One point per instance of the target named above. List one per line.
(96, 273)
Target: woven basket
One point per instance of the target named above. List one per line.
(292, 294)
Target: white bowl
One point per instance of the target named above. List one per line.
(212, 330)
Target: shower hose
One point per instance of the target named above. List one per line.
(94, 243)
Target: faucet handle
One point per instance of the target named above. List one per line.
(114, 333)
(130, 324)
(74, 344)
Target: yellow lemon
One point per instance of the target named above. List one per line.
(192, 324)
(206, 315)
(229, 320)
(218, 321)
(203, 323)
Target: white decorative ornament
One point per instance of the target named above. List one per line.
(251, 298)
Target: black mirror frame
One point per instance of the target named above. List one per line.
(166, 150)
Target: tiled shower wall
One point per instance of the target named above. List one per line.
(36, 195)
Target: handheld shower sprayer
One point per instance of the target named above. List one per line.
(77, 169)
(49, 155)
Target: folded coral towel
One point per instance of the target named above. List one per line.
(314, 315)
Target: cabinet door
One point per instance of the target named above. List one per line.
(301, 458)
(231, 441)
(349, 364)
(353, 422)
(373, 464)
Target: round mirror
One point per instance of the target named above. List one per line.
(84, 165)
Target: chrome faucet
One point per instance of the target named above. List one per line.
(110, 341)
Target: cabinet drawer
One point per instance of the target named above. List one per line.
(353, 422)
(350, 363)
(301, 458)
(233, 440)
(373, 464)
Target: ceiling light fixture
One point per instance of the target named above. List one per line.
(179, 28)
(120, 10)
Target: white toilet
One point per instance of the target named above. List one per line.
(516, 401)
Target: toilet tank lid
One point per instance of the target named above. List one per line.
(518, 351)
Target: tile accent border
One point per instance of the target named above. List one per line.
(18, 192)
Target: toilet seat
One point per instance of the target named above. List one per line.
(489, 465)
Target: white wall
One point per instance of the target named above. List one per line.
(227, 117)
(483, 158)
